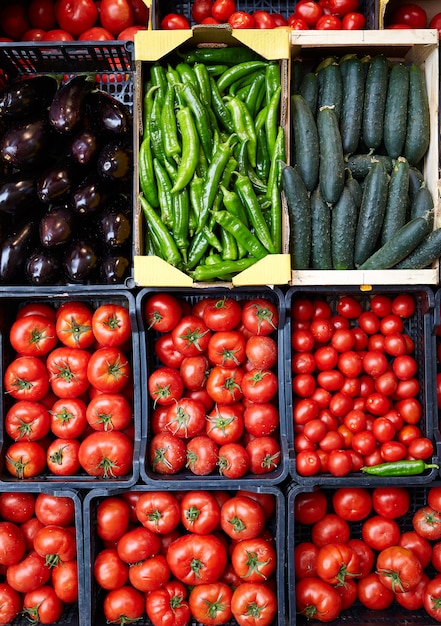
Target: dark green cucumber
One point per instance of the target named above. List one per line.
(371, 214)
(418, 117)
(399, 246)
(396, 206)
(416, 179)
(422, 205)
(299, 213)
(330, 88)
(332, 164)
(352, 108)
(343, 229)
(321, 258)
(395, 113)
(306, 142)
(426, 252)
(309, 89)
(375, 101)
(360, 164)
(355, 189)
(297, 72)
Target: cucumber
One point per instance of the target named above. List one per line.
(395, 114)
(396, 206)
(330, 88)
(424, 254)
(297, 72)
(360, 164)
(306, 143)
(332, 164)
(371, 214)
(299, 213)
(355, 189)
(343, 229)
(375, 101)
(321, 232)
(399, 246)
(416, 179)
(352, 107)
(422, 205)
(309, 89)
(418, 117)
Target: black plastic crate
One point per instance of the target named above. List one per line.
(370, 8)
(149, 362)
(420, 328)
(93, 544)
(437, 363)
(10, 303)
(112, 65)
(357, 614)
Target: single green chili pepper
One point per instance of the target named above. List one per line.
(195, 190)
(228, 55)
(241, 233)
(174, 79)
(272, 120)
(203, 81)
(272, 80)
(155, 130)
(244, 126)
(201, 117)
(181, 212)
(147, 174)
(213, 241)
(229, 246)
(248, 197)
(187, 74)
(158, 78)
(279, 154)
(241, 154)
(263, 159)
(147, 108)
(275, 188)
(151, 244)
(260, 119)
(234, 205)
(171, 168)
(243, 92)
(406, 467)
(229, 170)
(190, 149)
(172, 145)
(257, 88)
(216, 69)
(204, 273)
(220, 110)
(164, 192)
(238, 71)
(168, 248)
(244, 81)
(199, 245)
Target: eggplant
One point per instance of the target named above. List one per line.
(90, 195)
(27, 96)
(56, 183)
(85, 146)
(109, 114)
(66, 111)
(18, 194)
(80, 260)
(43, 267)
(115, 162)
(25, 145)
(114, 228)
(114, 268)
(15, 250)
(57, 227)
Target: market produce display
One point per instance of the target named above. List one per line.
(355, 189)
(65, 188)
(209, 161)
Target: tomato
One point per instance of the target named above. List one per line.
(17, 507)
(427, 523)
(111, 325)
(259, 385)
(27, 420)
(162, 312)
(62, 457)
(374, 363)
(41, 14)
(224, 384)
(166, 453)
(260, 316)
(223, 9)
(175, 21)
(67, 368)
(124, 605)
(352, 503)
(77, 16)
(43, 605)
(315, 598)
(261, 352)
(167, 353)
(26, 378)
(197, 559)
(353, 21)
(25, 459)
(165, 386)
(399, 569)
(14, 21)
(435, 23)
(12, 543)
(330, 529)
(227, 348)
(366, 556)
(418, 545)
(149, 574)
(10, 603)
(222, 314)
(391, 502)
(57, 34)
(233, 460)
(305, 559)
(308, 11)
(373, 594)
(33, 335)
(112, 518)
(342, 7)
(65, 581)
(409, 14)
(410, 410)
(336, 562)
(254, 560)
(109, 411)
(339, 462)
(307, 463)
(168, 605)
(264, 454)
(116, 15)
(201, 455)
(254, 604)
(350, 363)
(261, 419)
(106, 454)
(201, 9)
(380, 532)
(433, 498)
(50, 509)
(191, 335)
(68, 418)
(55, 544)
(96, 34)
(108, 370)
(242, 517)
(200, 512)
(263, 19)
(211, 603)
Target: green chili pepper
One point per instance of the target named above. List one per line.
(234, 205)
(203, 81)
(244, 81)
(229, 246)
(221, 270)
(229, 55)
(155, 130)
(190, 149)
(248, 197)
(158, 78)
(174, 79)
(241, 233)
(164, 192)
(181, 211)
(274, 189)
(260, 119)
(187, 74)
(255, 93)
(195, 190)
(172, 146)
(147, 108)
(272, 80)
(199, 245)
(244, 126)
(272, 120)
(169, 250)
(238, 71)
(263, 160)
(146, 173)
(406, 467)
(279, 154)
(220, 110)
(216, 70)
(201, 117)
(213, 241)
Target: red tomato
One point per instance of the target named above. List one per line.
(223, 9)
(57, 34)
(233, 460)
(260, 316)
(226, 348)
(162, 312)
(211, 603)
(158, 511)
(10, 603)
(224, 384)
(279, 19)
(175, 21)
(259, 385)
(310, 507)
(116, 15)
(106, 454)
(261, 351)
(41, 14)
(352, 503)
(254, 560)
(341, 7)
(434, 498)
(68, 417)
(435, 22)
(25, 459)
(33, 335)
(261, 419)
(305, 559)
(208, 552)
(55, 544)
(258, 595)
(317, 599)
(125, 603)
(399, 568)
(111, 325)
(167, 352)
(373, 594)
(242, 517)
(27, 420)
(308, 11)
(418, 545)
(380, 532)
(336, 562)
(201, 9)
(191, 335)
(62, 457)
(427, 523)
(264, 454)
(109, 570)
(112, 518)
(108, 370)
(43, 604)
(58, 510)
(186, 418)
(26, 378)
(391, 502)
(166, 453)
(202, 455)
(409, 14)
(330, 529)
(65, 581)
(222, 314)
(168, 603)
(109, 411)
(76, 16)
(14, 21)
(97, 33)
(353, 21)
(263, 19)
(366, 556)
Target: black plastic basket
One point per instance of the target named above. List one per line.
(357, 614)
(92, 545)
(149, 361)
(420, 328)
(10, 303)
(112, 65)
(370, 8)
(437, 362)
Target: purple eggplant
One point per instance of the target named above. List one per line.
(80, 260)
(114, 268)
(66, 111)
(109, 114)
(43, 267)
(27, 96)
(57, 227)
(56, 183)
(24, 146)
(85, 146)
(18, 194)
(15, 250)
(115, 162)
(90, 196)
(115, 229)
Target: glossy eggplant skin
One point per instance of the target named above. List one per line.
(115, 228)
(115, 162)
(27, 96)
(56, 183)
(66, 110)
(114, 268)
(18, 194)
(85, 146)
(80, 260)
(43, 267)
(89, 196)
(25, 145)
(57, 227)
(108, 114)
(15, 250)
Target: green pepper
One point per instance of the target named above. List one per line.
(190, 149)
(238, 71)
(272, 120)
(172, 146)
(203, 81)
(221, 270)
(244, 126)
(220, 110)
(229, 55)
(164, 192)
(249, 199)
(241, 233)
(405, 467)
(255, 94)
(229, 246)
(158, 78)
(155, 130)
(187, 74)
(146, 173)
(168, 248)
(201, 117)
(181, 212)
(272, 80)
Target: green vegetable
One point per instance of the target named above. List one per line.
(299, 211)
(375, 101)
(395, 114)
(352, 106)
(343, 228)
(418, 117)
(406, 467)
(428, 251)
(321, 258)
(306, 141)
(332, 165)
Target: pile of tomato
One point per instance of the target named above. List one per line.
(355, 383)
(38, 556)
(373, 547)
(316, 14)
(69, 391)
(208, 556)
(411, 15)
(214, 393)
(68, 20)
